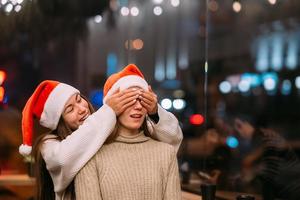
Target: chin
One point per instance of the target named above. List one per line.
(135, 127)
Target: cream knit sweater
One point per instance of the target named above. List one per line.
(131, 168)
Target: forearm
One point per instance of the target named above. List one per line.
(68, 156)
(167, 128)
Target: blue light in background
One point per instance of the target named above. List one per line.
(170, 84)
(96, 97)
(123, 3)
(277, 52)
(232, 142)
(159, 73)
(262, 61)
(292, 53)
(171, 67)
(286, 87)
(5, 100)
(112, 62)
(244, 86)
(297, 82)
(270, 82)
(253, 79)
(256, 80)
(271, 75)
(225, 87)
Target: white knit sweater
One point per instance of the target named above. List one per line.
(65, 158)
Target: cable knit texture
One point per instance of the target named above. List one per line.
(131, 168)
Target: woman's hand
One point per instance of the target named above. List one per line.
(121, 100)
(149, 101)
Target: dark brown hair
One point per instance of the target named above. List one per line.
(45, 187)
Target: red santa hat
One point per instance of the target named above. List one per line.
(46, 104)
(128, 77)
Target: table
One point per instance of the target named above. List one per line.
(220, 194)
(21, 185)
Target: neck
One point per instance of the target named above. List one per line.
(127, 132)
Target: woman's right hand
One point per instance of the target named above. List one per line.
(121, 100)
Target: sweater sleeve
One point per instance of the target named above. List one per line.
(87, 182)
(65, 158)
(172, 188)
(167, 129)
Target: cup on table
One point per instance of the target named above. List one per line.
(208, 191)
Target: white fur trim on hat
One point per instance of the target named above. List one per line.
(25, 150)
(55, 104)
(127, 82)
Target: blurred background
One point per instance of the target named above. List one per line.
(228, 69)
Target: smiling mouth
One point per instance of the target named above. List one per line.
(136, 116)
(84, 117)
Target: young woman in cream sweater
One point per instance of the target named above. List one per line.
(132, 164)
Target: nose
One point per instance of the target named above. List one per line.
(138, 105)
(81, 108)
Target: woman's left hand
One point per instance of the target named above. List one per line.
(149, 101)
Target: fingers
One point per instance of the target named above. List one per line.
(121, 100)
(147, 100)
(149, 96)
(146, 105)
(150, 88)
(130, 93)
(129, 99)
(151, 106)
(128, 104)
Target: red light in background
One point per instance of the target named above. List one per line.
(196, 119)
(2, 91)
(2, 76)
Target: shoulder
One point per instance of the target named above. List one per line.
(48, 141)
(162, 147)
(49, 136)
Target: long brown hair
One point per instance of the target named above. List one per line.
(45, 187)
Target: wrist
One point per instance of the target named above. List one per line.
(154, 117)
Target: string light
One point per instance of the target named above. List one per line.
(237, 6)
(272, 2)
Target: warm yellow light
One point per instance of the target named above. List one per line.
(272, 2)
(1, 94)
(213, 5)
(138, 44)
(237, 7)
(127, 44)
(2, 76)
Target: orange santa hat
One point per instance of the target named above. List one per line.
(46, 104)
(128, 77)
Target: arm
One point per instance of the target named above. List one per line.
(65, 158)
(172, 188)
(87, 182)
(167, 128)
(164, 126)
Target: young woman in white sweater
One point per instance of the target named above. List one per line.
(132, 164)
(77, 132)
